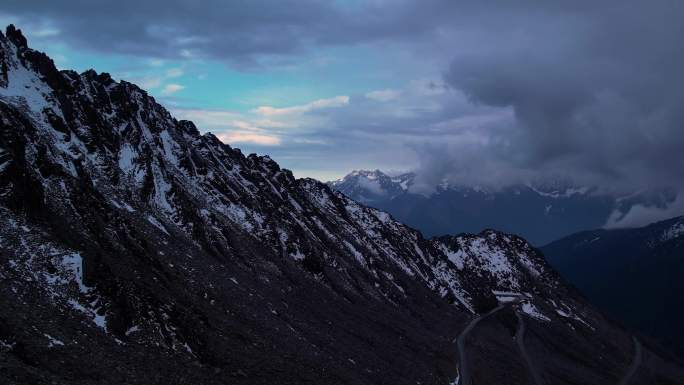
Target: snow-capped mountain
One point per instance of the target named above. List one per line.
(635, 274)
(135, 250)
(373, 186)
(551, 209)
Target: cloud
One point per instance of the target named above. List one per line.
(174, 72)
(156, 62)
(264, 118)
(241, 34)
(596, 89)
(230, 126)
(337, 101)
(170, 89)
(249, 137)
(641, 215)
(371, 185)
(147, 82)
(45, 32)
(156, 78)
(264, 126)
(207, 118)
(152, 81)
(383, 95)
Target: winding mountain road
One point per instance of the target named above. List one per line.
(463, 369)
(636, 362)
(464, 373)
(520, 339)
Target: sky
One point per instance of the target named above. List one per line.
(473, 92)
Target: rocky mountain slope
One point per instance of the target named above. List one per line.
(135, 250)
(551, 209)
(635, 274)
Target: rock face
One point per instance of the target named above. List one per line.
(135, 250)
(635, 274)
(550, 210)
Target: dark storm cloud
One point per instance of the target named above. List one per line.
(597, 89)
(236, 31)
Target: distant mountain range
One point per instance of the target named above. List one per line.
(540, 212)
(634, 274)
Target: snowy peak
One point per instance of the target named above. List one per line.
(511, 263)
(673, 230)
(369, 186)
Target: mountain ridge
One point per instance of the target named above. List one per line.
(605, 264)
